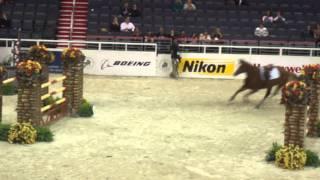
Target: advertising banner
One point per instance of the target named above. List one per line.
(224, 65)
(120, 63)
(210, 67)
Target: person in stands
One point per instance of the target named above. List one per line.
(216, 34)
(161, 33)
(127, 26)
(279, 18)
(177, 6)
(267, 18)
(135, 12)
(316, 34)
(261, 31)
(4, 21)
(149, 37)
(189, 6)
(115, 26)
(125, 10)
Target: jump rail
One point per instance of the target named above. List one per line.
(8, 80)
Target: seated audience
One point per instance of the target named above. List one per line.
(267, 18)
(136, 32)
(135, 12)
(216, 34)
(149, 37)
(307, 33)
(279, 18)
(194, 38)
(115, 26)
(207, 36)
(127, 26)
(4, 21)
(177, 6)
(316, 34)
(172, 34)
(240, 2)
(125, 10)
(261, 31)
(161, 33)
(189, 6)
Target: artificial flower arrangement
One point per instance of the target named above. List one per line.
(28, 68)
(2, 70)
(72, 54)
(23, 133)
(295, 92)
(291, 157)
(40, 53)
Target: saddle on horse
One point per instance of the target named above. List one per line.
(269, 72)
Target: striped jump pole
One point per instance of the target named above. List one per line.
(2, 82)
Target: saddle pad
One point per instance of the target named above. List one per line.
(273, 74)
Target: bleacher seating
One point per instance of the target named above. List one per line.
(36, 18)
(235, 22)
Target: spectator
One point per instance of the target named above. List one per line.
(182, 37)
(172, 34)
(307, 33)
(261, 31)
(279, 18)
(201, 37)
(194, 38)
(240, 2)
(316, 34)
(216, 34)
(4, 21)
(137, 32)
(115, 26)
(135, 12)
(189, 6)
(127, 26)
(161, 33)
(149, 38)
(267, 18)
(125, 10)
(177, 6)
(207, 36)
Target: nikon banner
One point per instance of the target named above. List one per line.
(206, 67)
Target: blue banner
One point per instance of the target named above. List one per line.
(56, 66)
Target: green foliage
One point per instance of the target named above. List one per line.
(318, 126)
(23, 133)
(44, 134)
(312, 159)
(48, 101)
(271, 153)
(86, 109)
(4, 129)
(9, 89)
(291, 157)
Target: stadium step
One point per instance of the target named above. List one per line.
(79, 12)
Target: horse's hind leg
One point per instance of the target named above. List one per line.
(276, 91)
(237, 92)
(264, 98)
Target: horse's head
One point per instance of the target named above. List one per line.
(243, 67)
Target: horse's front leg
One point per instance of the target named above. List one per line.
(237, 92)
(276, 91)
(245, 97)
(264, 98)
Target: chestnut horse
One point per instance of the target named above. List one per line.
(254, 82)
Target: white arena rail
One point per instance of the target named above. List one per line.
(94, 45)
(249, 50)
(153, 47)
